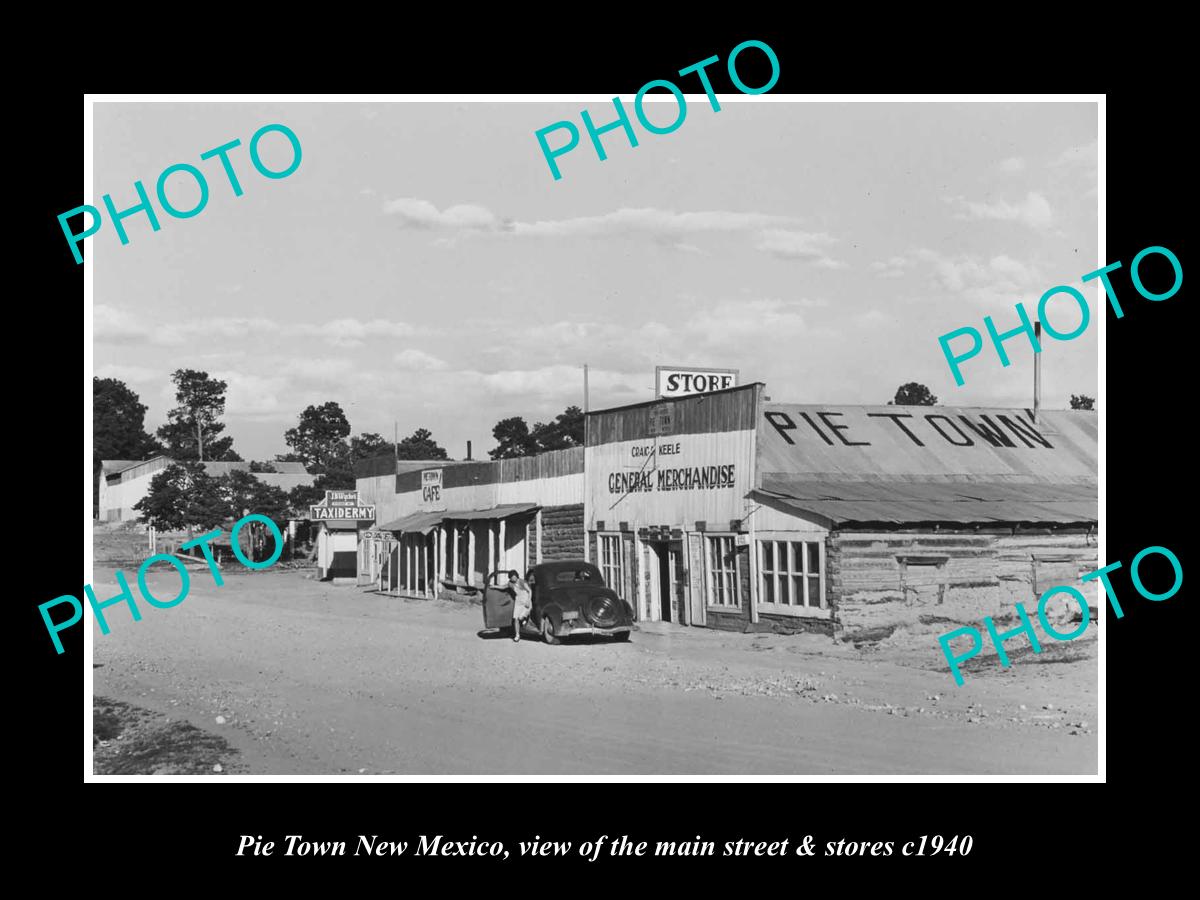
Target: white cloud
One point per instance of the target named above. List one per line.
(116, 326)
(1012, 165)
(557, 381)
(415, 360)
(329, 371)
(730, 320)
(423, 214)
(350, 332)
(896, 267)
(656, 222)
(671, 229)
(1082, 155)
(128, 373)
(801, 245)
(997, 283)
(256, 396)
(872, 318)
(1034, 211)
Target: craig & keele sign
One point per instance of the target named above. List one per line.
(654, 471)
(341, 505)
(674, 381)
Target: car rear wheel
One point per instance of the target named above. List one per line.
(548, 634)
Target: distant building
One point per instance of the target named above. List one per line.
(124, 482)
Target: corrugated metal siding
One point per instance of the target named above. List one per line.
(553, 464)
(543, 491)
(731, 410)
(549, 479)
(661, 497)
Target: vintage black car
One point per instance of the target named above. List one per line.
(569, 598)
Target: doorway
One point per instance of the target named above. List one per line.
(669, 557)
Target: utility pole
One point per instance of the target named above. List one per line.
(396, 439)
(1037, 372)
(585, 387)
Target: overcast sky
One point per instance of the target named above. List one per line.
(422, 265)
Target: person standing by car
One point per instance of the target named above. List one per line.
(522, 601)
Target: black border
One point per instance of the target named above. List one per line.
(1016, 828)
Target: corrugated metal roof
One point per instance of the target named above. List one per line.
(339, 524)
(496, 512)
(288, 468)
(285, 480)
(112, 466)
(961, 502)
(423, 522)
(929, 442)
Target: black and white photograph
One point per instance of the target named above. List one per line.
(453, 436)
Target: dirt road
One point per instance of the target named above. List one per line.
(301, 677)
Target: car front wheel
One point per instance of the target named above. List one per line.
(548, 634)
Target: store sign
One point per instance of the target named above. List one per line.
(341, 505)
(677, 382)
(431, 485)
(658, 469)
(662, 419)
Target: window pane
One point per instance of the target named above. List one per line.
(814, 590)
(814, 558)
(796, 557)
(797, 589)
(768, 556)
(767, 594)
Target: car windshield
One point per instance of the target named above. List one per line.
(576, 575)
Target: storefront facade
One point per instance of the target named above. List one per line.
(449, 526)
(730, 511)
(666, 504)
(341, 520)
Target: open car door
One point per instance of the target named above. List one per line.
(497, 603)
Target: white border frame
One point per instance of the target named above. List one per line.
(725, 99)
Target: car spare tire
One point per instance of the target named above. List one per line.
(603, 611)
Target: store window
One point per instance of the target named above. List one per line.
(609, 554)
(722, 571)
(790, 573)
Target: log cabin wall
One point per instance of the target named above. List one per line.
(881, 580)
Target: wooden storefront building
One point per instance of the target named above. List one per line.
(731, 511)
(445, 527)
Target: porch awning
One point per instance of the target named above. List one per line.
(418, 522)
(496, 512)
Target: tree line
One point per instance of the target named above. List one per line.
(184, 495)
(915, 394)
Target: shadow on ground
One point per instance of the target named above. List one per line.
(129, 740)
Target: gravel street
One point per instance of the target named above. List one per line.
(301, 677)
